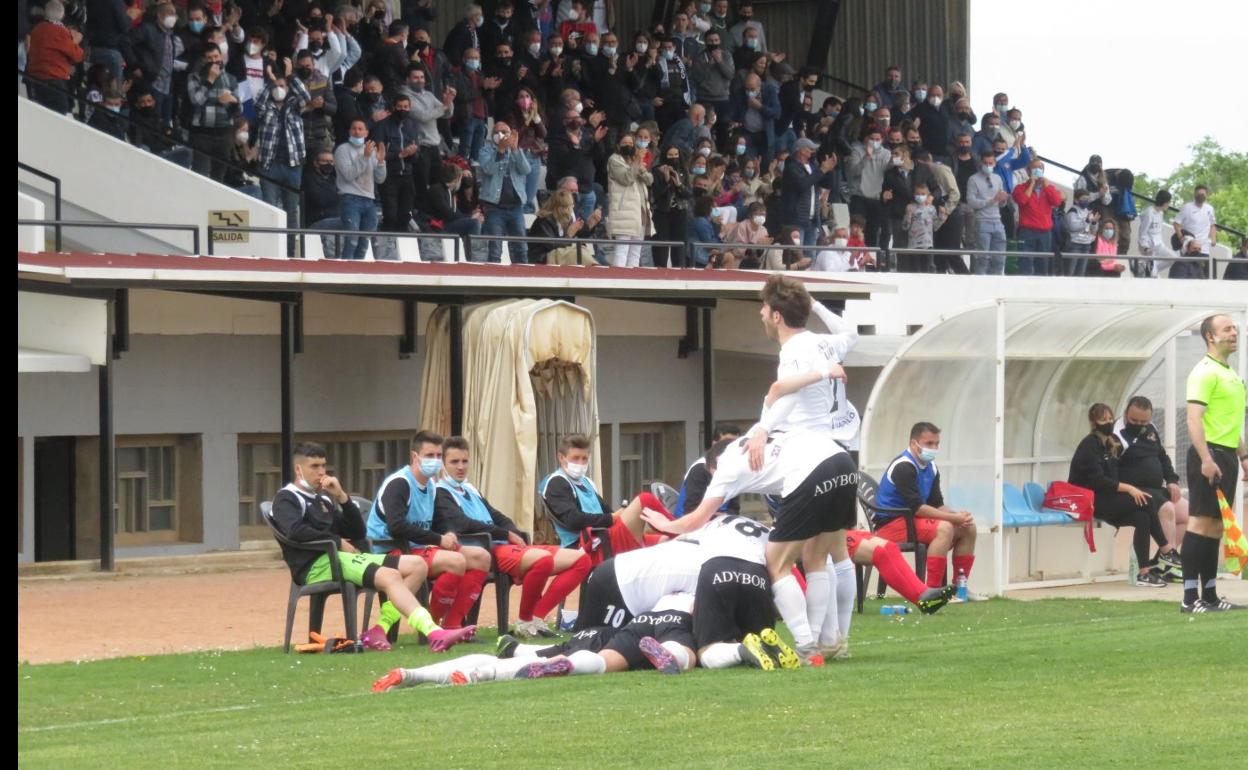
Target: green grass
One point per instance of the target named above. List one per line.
(1054, 683)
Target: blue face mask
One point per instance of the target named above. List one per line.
(987, 170)
(356, 141)
(591, 49)
(430, 467)
(927, 455)
(740, 149)
(1037, 173)
(197, 27)
(699, 170)
(872, 106)
(473, 64)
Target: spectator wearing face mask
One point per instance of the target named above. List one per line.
(921, 220)
(897, 195)
(1036, 200)
(755, 108)
(525, 117)
(1012, 125)
(933, 123)
(712, 73)
(324, 49)
(1106, 249)
(1094, 179)
(247, 64)
(1195, 262)
(943, 187)
(746, 21)
(883, 91)
(322, 199)
(427, 108)
(628, 189)
(803, 179)
(703, 229)
(1082, 223)
(579, 21)
(669, 78)
(503, 171)
(318, 115)
(752, 230)
(865, 173)
(961, 121)
(989, 131)
(684, 133)
(54, 52)
(107, 117)
(835, 259)
(279, 119)
(214, 96)
(575, 151)
(985, 194)
(360, 167)
(242, 156)
(465, 34)
(471, 107)
(1198, 218)
(445, 215)
(500, 30)
(671, 194)
(155, 48)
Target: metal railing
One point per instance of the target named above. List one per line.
(576, 241)
(80, 100)
(338, 235)
(87, 224)
(56, 198)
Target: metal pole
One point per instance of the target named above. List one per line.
(287, 389)
(1001, 577)
(56, 204)
(708, 380)
(457, 369)
(210, 240)
(108, 492)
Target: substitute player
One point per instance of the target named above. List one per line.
(461, 509)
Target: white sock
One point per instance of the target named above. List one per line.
(681, 653)
(791, 605)
(528, 651)
(506, 668)
(846, 594)
(819, 597)
(586, 662)
(721, 655)
(437, 673)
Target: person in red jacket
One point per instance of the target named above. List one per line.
(54, 52)
(581, 21)
(1036, 201)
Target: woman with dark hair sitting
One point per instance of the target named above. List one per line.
(1095, 467)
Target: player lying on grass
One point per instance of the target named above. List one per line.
(461, 509)
(402, 514)
(661, 639)
(577, 508)
(315, 507)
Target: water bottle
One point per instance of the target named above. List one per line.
(567, 619)
(894, 609)
(961, 585)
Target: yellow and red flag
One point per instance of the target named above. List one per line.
(1234, 544)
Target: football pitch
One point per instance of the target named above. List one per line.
(1050, 683)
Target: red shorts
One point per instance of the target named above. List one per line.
(425, 552)
(622, 538)
(895, 530)
(508, 557)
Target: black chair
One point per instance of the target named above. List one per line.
(317, 593)
(868, 489)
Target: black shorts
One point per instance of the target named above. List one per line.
(590, 639)
(664, 625)
(825, 501)
(1202, 496)
(370, 572)
(733, 599)
(602, 604)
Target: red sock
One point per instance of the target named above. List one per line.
(442, 595)
(964, 564)
(533, 583)
(936, 571)
(563, 584)
(897, 573)
(650, 501)
(469, 591)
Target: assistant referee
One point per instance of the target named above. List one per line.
(1215, 423)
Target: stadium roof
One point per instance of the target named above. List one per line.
(78, 270)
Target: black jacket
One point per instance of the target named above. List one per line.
(567, 159)
(1144, 462)
(902, 187)
(304, 518)
(795, 189)
(320, 193)
(1093, 467)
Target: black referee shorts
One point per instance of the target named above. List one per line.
(1202, 496)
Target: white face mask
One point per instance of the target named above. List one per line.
(254, 49)
(1014, 124)
(535, 49)
(556, 51)
(705, 152)
(642, 47)
(840, 243)
(224, 48)
(935, 101)
(576, 471)
(169, 22)
(579, 108)
(760, 220)
(279, 94)
(242, 136)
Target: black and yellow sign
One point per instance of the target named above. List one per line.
(229, 218)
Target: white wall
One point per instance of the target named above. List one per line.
(119, 182)
(30, 238)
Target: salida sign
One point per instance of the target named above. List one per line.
(229, 218)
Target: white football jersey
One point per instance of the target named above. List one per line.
(646, 575)
(822, 405)
(731, 535)
(787, 460)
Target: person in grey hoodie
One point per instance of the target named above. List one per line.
(427, 110)
(868, 160)
(712, 76)
(985, 194)
(361, 167)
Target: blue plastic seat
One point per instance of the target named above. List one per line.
(1016, 512)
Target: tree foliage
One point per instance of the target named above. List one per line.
(1223, 171)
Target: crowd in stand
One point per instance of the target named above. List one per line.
(348, 115)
